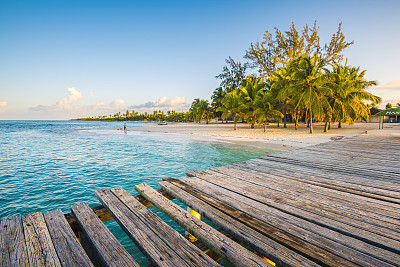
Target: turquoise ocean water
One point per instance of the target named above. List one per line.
(45, 165)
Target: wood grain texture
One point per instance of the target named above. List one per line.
(12, 243)
(142, 231)
(180, 245)
(110, 251)
(67, 246)
(309, 232)
(274, 251)
(104, 215)
(40, 248)
(293, 242)
(219, 243)
(325, 213)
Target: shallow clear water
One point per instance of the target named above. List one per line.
(45, 165)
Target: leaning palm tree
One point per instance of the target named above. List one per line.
(232, 106)
(265, 108)
(348, 99)
(309, 86)
(193, 109)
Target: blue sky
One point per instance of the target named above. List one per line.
(68, 59)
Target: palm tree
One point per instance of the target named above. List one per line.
(347, 100)
(249, 92)
(264, 108)
(203, 110)
(232, 106)
(278, 82)
(309, 86)
(193, 109)
(216, 100)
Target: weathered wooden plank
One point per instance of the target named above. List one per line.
(308, 197)
(324, 219)
(310, 232)
(104, 215)
(362, 163)
(40, 248)
(297, 244)
(377, 182)
(321, 181)
(187, 250)
(158, 241)
(355, 206)
(12, 243)
(274, 251)
(341, 155)
(109, 250)
(69, 250)
(338, 169)
(293, 173)
(219, 243)
(308, 157)
(299, 172)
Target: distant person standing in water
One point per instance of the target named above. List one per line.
(124, 126)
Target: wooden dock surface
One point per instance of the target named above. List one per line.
(332, 204)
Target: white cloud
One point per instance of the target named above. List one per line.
(164, 103)
(118, 104)
(101, 108)
(72, 98)
(70, 108)
(168, 102)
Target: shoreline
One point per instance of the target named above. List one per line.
(275, 138)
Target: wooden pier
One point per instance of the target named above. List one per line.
(333, 204)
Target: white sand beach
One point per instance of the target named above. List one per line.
(278, 138)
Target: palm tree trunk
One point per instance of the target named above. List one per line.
(326, 127)
(284, 117)
(296, 119)
(329, 125)
(340, 124)
(309, 107)
(265, 127)
(278, 123)
(234, 120)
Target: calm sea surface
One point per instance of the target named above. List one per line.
(45, 165)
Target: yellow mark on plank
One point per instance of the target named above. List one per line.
(197, 215)
(268, 260)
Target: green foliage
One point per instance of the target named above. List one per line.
(253, 86)
(200, 110)
(277, 51)
(348, 99)
(232, 75)
(388, 105)
(216, 100)
(265, 108)
(157, 115)
(232, 106)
